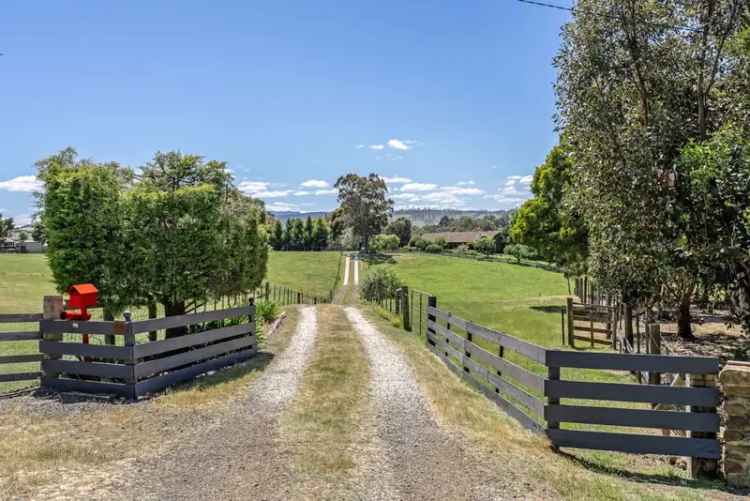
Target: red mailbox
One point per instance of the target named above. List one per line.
(81, 297)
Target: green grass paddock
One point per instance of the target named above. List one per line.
(310, 272)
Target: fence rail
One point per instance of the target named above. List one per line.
(18, 321)
(534, 393)
(134, 370)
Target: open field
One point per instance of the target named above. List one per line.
(310, 272)
(520, 300)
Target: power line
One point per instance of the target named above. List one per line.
(573, 10)
(548, 5)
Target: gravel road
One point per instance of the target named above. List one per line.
(414, 457)
(237, 457)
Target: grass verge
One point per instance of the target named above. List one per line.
(580, 475)
(321, 424)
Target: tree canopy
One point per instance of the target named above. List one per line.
(634, 88)
(178, 234)
(364, 205)
(547, 222)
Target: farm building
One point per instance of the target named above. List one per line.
(456, 238)
(14, 242)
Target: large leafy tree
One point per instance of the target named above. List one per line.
(80, 209)
(717, 187)
(364, 205)
(400, 227)
(637, 81)
(547, 222)
(193, 235)
(6, 226)
(179, 235)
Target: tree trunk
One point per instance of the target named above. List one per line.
(173, 309)
(684, 329)
(152, 313)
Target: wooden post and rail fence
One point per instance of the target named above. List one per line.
(76, 355)
(528, 382)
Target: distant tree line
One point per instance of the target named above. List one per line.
(299, 235)
(465, 223)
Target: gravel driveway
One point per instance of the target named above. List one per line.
(415, 458)
(238, 456)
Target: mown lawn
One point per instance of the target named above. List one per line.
(24, 280)
(519, 300)
(314, 273)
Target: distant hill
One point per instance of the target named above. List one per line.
(418, 217)
(422, 217)
(284, 215)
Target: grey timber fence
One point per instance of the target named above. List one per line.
(137, 364)
(21, 363)
(528, 382)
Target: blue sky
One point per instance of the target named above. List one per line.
(451, 101)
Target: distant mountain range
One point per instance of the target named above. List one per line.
(418, 217)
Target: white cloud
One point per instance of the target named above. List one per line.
(282, 207)
(396, 180)
(302, 193)
(418, 187)
(272, 194)
(360, 146)
(26, 184)
(377, 147)
(513, 192)
(260, 189)
(315, 183)
(462, 190)
(465, 183)
(252, 187)
(331, 191)
(397, 144)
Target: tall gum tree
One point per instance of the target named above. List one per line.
(637, 81)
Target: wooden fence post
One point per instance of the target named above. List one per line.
(130, 343)
(431, 303)
(699, 466)
(397, 302)
(405, 310)
(628, 320)
(654, 348)
(268, 291)
(553, 374)
(571, 324)
(52, 308)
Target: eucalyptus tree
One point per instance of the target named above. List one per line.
(637, 81)
(364, 206)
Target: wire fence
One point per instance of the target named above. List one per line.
(410, 305)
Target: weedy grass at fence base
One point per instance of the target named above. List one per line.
(46, 443)
(314, 273)
(576, 475)
(321, 424)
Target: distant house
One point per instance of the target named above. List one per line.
(456, 238)
(14, 243)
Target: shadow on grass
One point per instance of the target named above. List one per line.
(377, 258)
(548, 309)
(654, 478)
